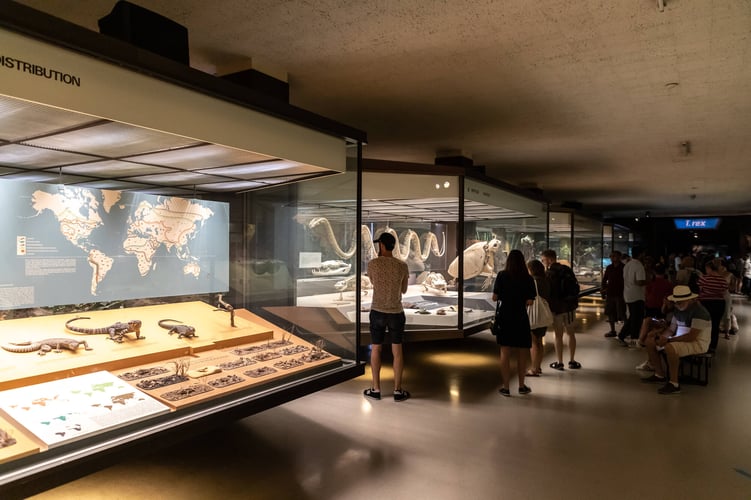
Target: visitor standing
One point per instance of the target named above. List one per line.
(390, 277)
(564, 299)
(515, 289)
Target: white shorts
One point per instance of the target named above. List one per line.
(689, 348)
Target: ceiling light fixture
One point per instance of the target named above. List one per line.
(446, 184)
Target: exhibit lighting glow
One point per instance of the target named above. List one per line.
(461, 359)
(365, 407)
(454, 391)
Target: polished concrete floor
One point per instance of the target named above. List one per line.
(595, 433)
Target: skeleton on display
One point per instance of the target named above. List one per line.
(479, 260)
(410, 247)
(349, 284)
(433, 282)
(407, 243)
(332, 268)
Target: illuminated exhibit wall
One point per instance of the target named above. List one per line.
(67, 245)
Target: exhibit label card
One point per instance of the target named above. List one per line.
(65, 410)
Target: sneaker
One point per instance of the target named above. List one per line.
(505, 392)
(646, 366)
(669, 389)
(401, 395)
(372, 394)
(524, 390)
(611, 333)
(653, 378)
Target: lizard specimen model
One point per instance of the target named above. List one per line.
(181, 330)
(115, 331)
(46, 345)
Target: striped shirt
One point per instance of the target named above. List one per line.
(712, 287)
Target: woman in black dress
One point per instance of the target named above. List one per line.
(515, 288)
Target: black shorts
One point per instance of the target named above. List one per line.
(380, 321)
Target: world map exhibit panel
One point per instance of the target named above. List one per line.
(67, 245)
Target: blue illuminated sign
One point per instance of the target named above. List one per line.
(710, 223)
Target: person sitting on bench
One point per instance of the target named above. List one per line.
(688, 334)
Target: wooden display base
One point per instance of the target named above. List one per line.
(212, 326)
(243, 366)
(23, 447)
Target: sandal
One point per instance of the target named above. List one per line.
(532, 373)
(574, 365)
(556, 366)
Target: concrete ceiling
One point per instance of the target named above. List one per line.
(589, 101)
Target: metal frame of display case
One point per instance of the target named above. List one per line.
(36, 473)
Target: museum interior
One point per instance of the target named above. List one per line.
(185, 303)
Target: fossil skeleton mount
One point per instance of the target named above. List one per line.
(479, 260)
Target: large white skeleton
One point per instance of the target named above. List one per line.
(479, 260)
(408, 243)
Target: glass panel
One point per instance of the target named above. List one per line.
(560, 236)
(621, 239)
(295, 255)
(495, 222)
(422, 212)
(587, 250)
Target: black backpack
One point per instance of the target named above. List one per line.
(570, 288)
(565, 288)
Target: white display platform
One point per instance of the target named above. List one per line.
(344, 302)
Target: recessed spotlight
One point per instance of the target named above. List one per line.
(437, 186)
(446, 184)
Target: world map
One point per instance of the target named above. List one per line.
(111, 245)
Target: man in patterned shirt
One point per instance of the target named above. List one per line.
(389, 277)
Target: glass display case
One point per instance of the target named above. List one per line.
(160, 239)
(496, 221)
(559, 235)
(422, 212)
(588, 253)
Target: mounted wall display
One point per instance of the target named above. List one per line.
(68, 245)
(151, 215)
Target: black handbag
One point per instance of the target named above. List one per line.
(495, 325)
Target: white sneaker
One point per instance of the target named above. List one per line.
(646, 366)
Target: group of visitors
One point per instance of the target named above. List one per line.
(516, 288)
(665, 305)
(679, 316)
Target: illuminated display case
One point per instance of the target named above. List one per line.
(454, 230)
(169, 206)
